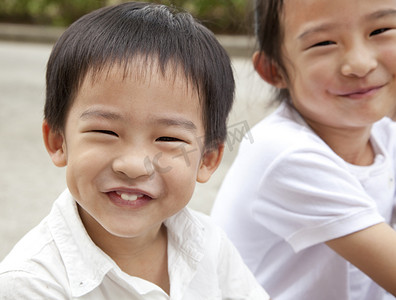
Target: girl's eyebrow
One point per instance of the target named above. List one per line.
(327, 26)
(317, 29)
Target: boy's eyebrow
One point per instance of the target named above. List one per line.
(98, 113)
(178, 122)
(381, 13)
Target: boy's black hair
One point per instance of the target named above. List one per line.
(123, 33)
(269, 33)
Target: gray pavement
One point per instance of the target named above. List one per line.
(29, 182)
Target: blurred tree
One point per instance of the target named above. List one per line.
(222, 16)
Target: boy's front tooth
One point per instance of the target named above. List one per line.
(128, 197)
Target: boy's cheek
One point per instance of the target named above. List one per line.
(182, 163)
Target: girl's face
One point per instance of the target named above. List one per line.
(340, 57)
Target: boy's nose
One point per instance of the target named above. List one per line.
(358, 62)
(133, 164)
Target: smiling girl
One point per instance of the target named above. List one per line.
(309, 203)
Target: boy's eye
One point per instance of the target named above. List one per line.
(379, 31)
(321, 44)
(168, 139)
(106, 132)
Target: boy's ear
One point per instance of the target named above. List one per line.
(54, 143)
(268, 70)
(209, 163)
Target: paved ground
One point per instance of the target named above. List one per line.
(29, 183)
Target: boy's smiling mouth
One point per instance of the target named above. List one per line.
(129, 197)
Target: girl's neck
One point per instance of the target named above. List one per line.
(352, 145)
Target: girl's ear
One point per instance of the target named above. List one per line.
(268, 70)
(209, 163)
(55, 145)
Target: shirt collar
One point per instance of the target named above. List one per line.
(86, 264)
(186, 233)
(186, 244)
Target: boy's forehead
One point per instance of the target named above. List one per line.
(114, 93)
(142, 70)
(134, 77)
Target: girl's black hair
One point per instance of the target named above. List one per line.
(269, 33)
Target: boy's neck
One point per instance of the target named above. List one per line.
(144, 257)
(148, 261)
(353, 145)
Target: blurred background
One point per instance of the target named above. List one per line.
(29, 183)
(221, 16)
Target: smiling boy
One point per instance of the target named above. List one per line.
(131, 90)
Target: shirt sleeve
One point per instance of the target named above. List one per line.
(236, 279)
(308, 196)
(21, 285)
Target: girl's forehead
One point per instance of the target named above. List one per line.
(300, 16)
(335, 9)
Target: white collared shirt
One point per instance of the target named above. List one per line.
(58, 260)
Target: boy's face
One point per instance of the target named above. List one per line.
(341, 60)
(133, 150)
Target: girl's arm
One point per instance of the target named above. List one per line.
(373, 251)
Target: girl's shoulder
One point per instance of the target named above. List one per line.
(283, 130)
(385, 128)
(384, 134)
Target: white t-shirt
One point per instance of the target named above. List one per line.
(58, 260)
(287, 193)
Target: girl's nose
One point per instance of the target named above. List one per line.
(133, 164)
(358, 62)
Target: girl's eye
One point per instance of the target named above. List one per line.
(379, 31)
(324, 43)
(106, 132)
(168, 139)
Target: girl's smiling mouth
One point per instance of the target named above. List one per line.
(361, 93)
